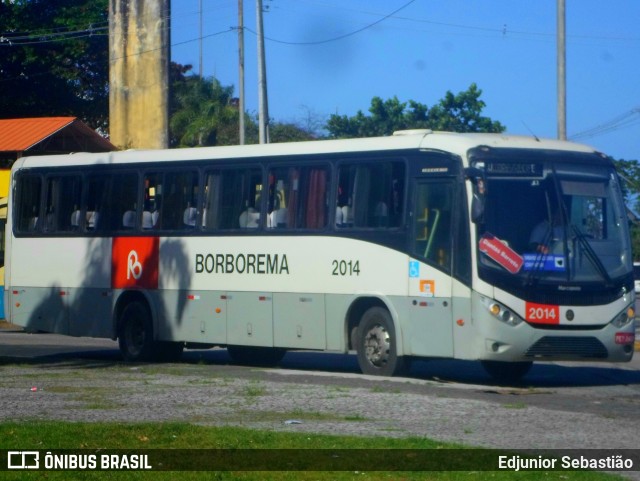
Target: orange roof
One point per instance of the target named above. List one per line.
(20, 134)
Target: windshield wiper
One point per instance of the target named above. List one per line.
(591, 254)
(535, 273)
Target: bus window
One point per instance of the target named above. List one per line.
(115, 202)
(432, 226)
(298, 198)
(179, 196)
(370, 195)
(153, 190)
(232, 199)
(29, 188)
(170, 200)
(97, 201)
(63, 203)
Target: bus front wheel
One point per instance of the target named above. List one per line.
(135, 333)
(376, 344)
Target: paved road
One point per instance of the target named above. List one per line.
(558, 405)
(599, 388)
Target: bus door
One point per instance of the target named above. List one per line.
(430, 267)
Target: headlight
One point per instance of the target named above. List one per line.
(624, 318)
(501, 312)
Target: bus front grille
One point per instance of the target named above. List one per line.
(568, 348)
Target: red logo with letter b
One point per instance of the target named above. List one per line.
(134, 262)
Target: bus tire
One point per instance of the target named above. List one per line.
(256, 355)
(135, 333)
(507, 372)
(376, 344)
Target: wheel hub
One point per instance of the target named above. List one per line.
(377, 345)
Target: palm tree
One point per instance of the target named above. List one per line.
(203, 113)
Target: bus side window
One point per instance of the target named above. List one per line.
(97, 202)
(63, 201)
(370, 195)
(211, 202)
(297, 198)
(28, 192)
(232, 199)
(124, 195)
(179, 198)
(153, 190)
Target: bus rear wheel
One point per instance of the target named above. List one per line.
(376, 344)
(507, 372)
(135, 333)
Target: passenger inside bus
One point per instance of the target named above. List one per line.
(190, 216)
(547, 235)
(249, 218)
(129, 219)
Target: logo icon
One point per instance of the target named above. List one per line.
(135, 262)
(134, 267)
(23, 460)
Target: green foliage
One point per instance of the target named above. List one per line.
(288, 132)
(202, 113)
(629, 170)
(456, 113)
(48, 70)
(205, 113)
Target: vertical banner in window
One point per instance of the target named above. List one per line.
(134, 262)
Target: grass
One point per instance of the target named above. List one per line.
(50, 435)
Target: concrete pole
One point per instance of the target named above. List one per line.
(139, 74)
(562, 72)
(241, 107)
(263, 107)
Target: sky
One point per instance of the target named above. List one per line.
(328, 57)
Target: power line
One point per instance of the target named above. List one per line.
(627, 119)
(503, 29)
(126, 56)
(51, 37)
(339, 37)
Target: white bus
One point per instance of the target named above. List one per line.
(502, 249)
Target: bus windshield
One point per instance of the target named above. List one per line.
(553, 223)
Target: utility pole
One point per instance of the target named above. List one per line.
(200, 70)
(241, 69)
(562, 72)
(263, 108)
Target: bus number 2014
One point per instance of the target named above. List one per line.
(346, 268)
(543, 313)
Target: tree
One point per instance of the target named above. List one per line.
(288, 132)
(457, 113)
(202, 113)
(54, 59)
(629, 170)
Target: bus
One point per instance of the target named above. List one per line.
(488, 247)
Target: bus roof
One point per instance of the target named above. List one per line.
(457, 143)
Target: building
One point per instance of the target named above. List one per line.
(40, 136)
(44, 136)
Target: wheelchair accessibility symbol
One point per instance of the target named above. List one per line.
(414, 269)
